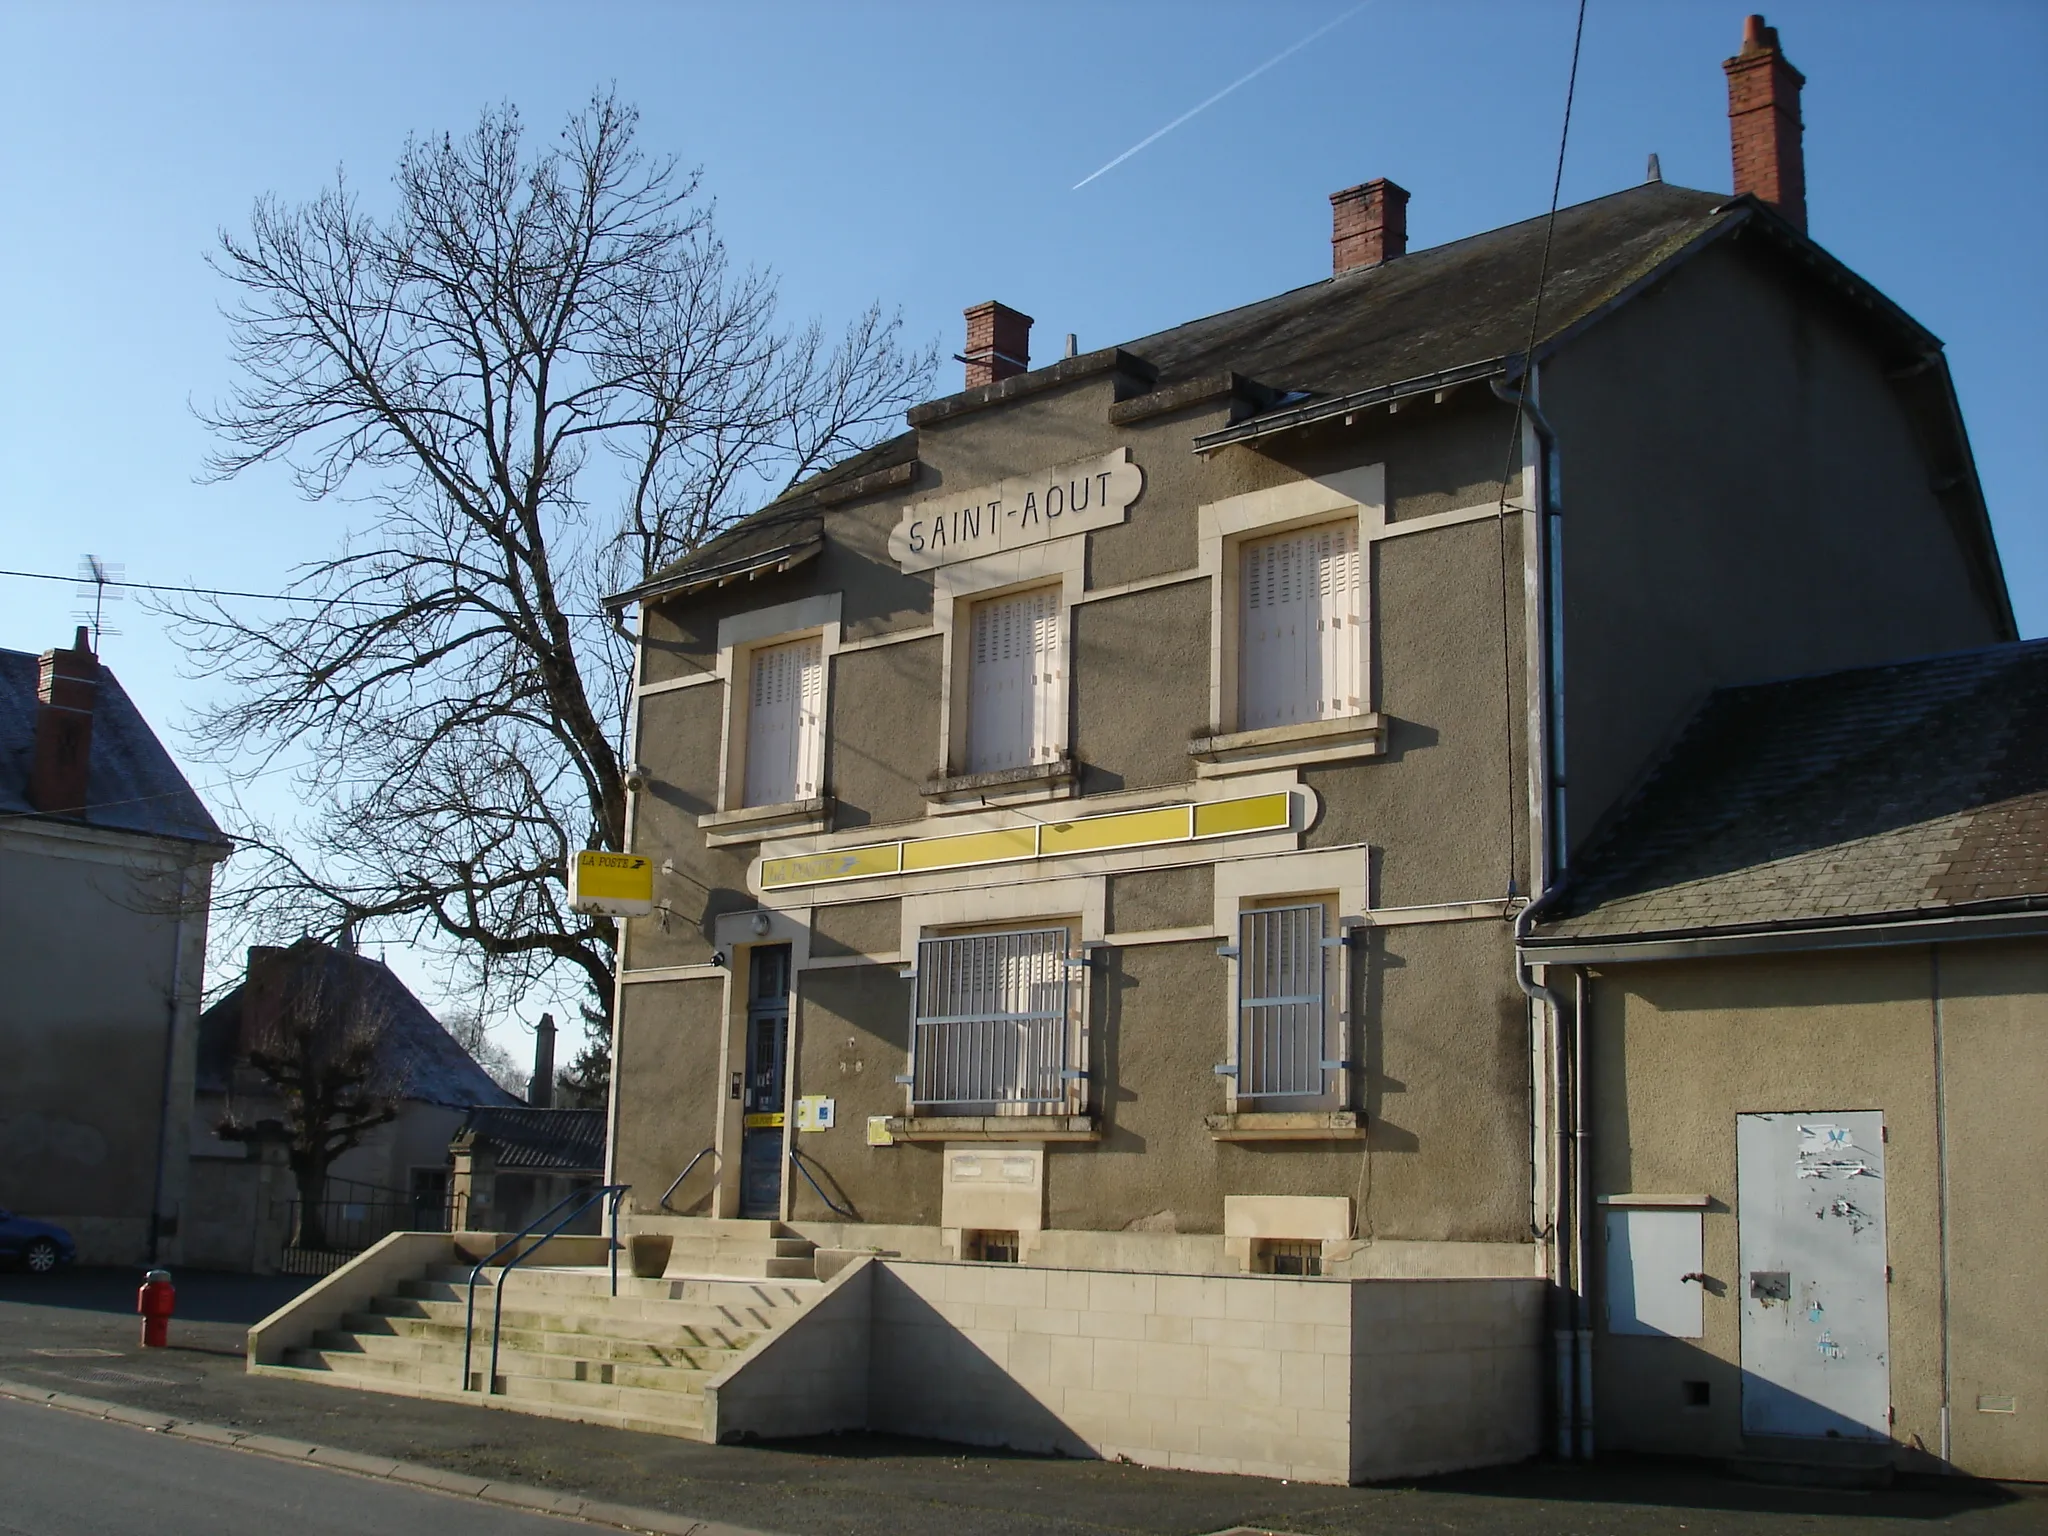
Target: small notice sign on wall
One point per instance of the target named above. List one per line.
(1025, 509)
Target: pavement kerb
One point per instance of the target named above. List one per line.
(513, 1495)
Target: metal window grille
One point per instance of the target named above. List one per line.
(993, 1020)
(1282, 1002)
(1289, 1256)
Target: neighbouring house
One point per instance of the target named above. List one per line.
(395, 1178)
(1090, 835)
(1810, 964)
(106, 865)
(512, 1165)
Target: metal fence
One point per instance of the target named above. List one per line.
(1282, 991)
(993, 1019)
(349, 1219)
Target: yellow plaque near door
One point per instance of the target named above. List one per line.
(765, 1122)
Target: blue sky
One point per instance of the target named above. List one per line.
(926, 155)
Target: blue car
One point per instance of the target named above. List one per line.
(37, 1246)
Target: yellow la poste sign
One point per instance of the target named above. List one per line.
(616, 884)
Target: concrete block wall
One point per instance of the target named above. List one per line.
(809, 1378)
(1446, 1374)
(1315, 1380)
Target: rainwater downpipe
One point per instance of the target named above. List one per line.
(1570, 1332)
(1582, 1223)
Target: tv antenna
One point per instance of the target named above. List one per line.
(98, 585)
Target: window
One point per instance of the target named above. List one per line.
(1287, 1256)
(1283, 986)
(994, 1017)
(988, 1247)
(786, 724)
(1016, 691)
(1299, 628)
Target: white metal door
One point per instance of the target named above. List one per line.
(1815, 1319)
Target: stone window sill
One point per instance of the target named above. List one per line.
(1286, 746)
(1293, 1125)
(994, 1128)
(1009, 786)
(754, 823)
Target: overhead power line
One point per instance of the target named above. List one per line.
(193, 591)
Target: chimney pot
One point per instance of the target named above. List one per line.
(998, 344)
(1368, 225)
(1765, 134)
(67, 685)
(540, 1091)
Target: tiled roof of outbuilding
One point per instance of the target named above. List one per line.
(561, 1140)
(1914, 789)
(133, 785)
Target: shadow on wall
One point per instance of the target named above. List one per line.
(931, 1378)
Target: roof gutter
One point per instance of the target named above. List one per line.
(1313, 411)
(1703, 943)
(767, 563)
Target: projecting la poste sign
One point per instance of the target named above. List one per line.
(617, 884)
(1025, 509)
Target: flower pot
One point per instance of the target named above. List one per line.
(648, 1253)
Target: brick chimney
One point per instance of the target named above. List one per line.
(1368, 225)
(998, 343)
(1764, 130)
(65, 691)
(540, 1089)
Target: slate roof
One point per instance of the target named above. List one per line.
(433, 1067)
(1917, 789)
(1437, 310)
(133, 784)
(551, 1140)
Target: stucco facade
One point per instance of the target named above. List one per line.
(1707, 433)
(106, 864)
(1949, 1043)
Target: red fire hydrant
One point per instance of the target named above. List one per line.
(156, 1301)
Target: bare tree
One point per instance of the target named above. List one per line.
(546, 379)
(319, 1033)
(471, 1031)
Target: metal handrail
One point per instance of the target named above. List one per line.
(584, 1198)
(796, 1162)
(687, 1167)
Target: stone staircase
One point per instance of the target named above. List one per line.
(568, 1347)
(762, 1250)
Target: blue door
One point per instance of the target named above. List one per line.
(761, 1139)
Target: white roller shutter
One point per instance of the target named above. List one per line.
(1017, 690)
(785, 723)
(1300, 656)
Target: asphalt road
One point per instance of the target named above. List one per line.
(67, 1475)
(76, 1332)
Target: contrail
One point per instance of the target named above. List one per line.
(1245, 79)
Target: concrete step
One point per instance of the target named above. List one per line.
(657, 1407)
(431, 1299)
(382, 1353)
(683, 1427)
(1813, 1463)
(595, 1284)
(585, 1337)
